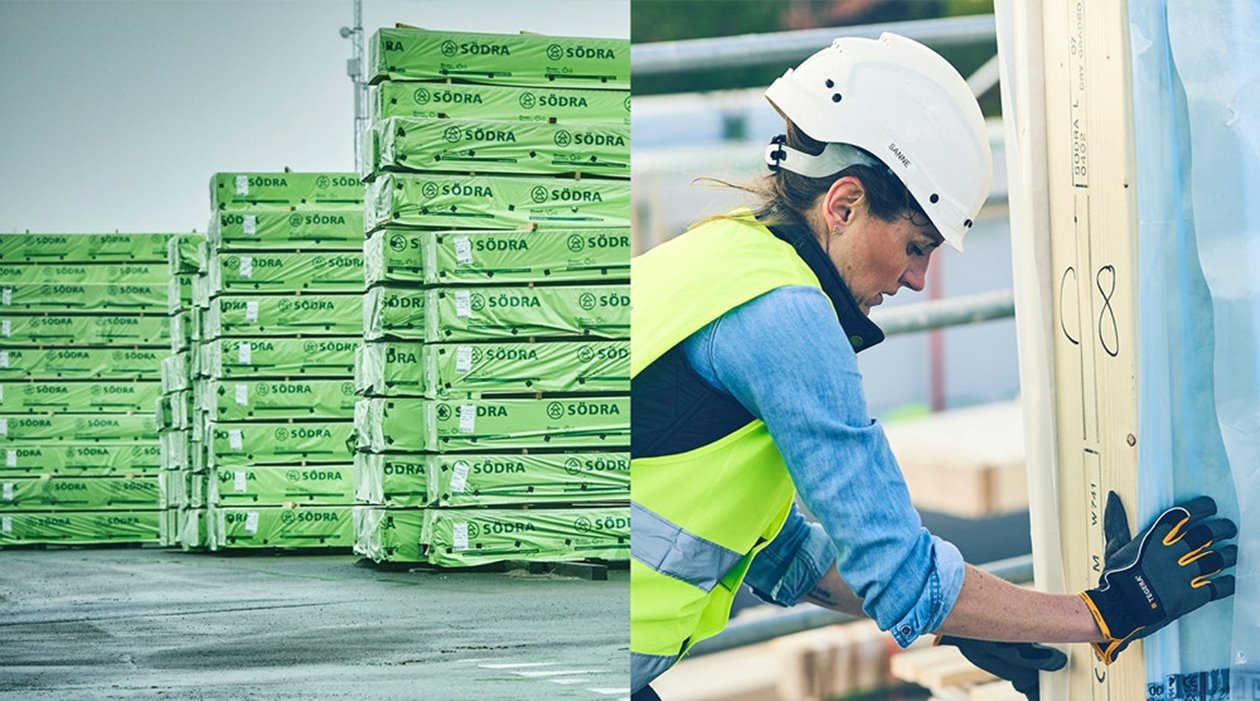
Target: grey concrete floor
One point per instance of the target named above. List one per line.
(160, 624)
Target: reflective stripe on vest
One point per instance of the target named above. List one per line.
(699, 517)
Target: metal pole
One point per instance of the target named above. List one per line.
(788, 48)
(946, 312)
(355, 69)
(808, 616)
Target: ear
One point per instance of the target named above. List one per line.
(842, 202)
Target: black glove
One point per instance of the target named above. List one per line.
(1169, 571)
(1017, 663)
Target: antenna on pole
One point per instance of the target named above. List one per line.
(355, 69)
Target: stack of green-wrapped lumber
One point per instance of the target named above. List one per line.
(186, 258)
(83, 330)
(273, 387)
(495, 365)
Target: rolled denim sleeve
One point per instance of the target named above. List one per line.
(791, 565)
(786, 359)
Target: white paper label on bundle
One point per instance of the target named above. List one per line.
(251, 224)
(247, 266)
(8, 296)
(463, 250)
(11, 458)
(236, 440)
(459, 477)
(463, 360)
(251, 311)
(6, 524)
(4, 359)
(4, 427)
(238, 481)
(242, 185)
(459, 536)
(467, 418)
(463, 304)
(5, 328)
(8, 491)
(246, 353)
(251, 522)
(242, 395)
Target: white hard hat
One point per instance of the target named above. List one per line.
(902, 102)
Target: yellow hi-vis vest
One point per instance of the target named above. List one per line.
(699, 517)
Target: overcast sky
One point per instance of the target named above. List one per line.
(114, 114)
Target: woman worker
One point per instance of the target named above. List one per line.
(746, 393)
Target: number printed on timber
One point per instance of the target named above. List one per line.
(1108, 329)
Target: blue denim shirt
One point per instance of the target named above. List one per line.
(785, 357)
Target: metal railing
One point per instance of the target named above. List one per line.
(937, 314)
(790, 47)
(808, 617)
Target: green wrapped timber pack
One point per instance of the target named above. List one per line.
(491, 480)
(287, 315)
(78, 493)
(454, 257)
(475, 101)
(93, 298)
(80, 528)
(326, 273)
(244, 400)
(422, 425)
(194, 529)
(183, 330)
(175, 450)
(75, 428)
(85, 330)
(324, 227)
(175, 373)
(237, 190)
(279, 357)
(471, 537)
(411, 54)
(282, 484)
(78, 397)
(275, 443)
(84, 274)
(79, 363)
(388, 535)
(168, 527)
(175, 412)
(83, 248)
(172, 489)
(495, 202)
(186, 255)
(488, 313)
(402, 369)
(135, 458)
(416, 144)
(282, 527)
(180, 293)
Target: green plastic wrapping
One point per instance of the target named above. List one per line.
(168, 527)
(201, 292)
(181, 330)
(72, 428)
(140, 457)
(419, 144)
(93, 298)
(194, 529)
(78, 493)
(237, 190)
(83, 273)
(242, 400)
(314, 272)
(404, 369)
(495, 202)
(83, 248)
(324, 227)
(282, 527)
(475, 101)
(284, 315)
(79, 363)
(179, 293)
(453, 257)
(280, 357)
(175, 450)
(80, 528)
(175, 370)
(82, 330)
(388, 535)
(282, 484)
(490, 480)
(78, 397)
(422, 425)
(489, 313)
(186, 255)
(175, 411)
(276, 443)
(470, 537)
(407, 54)
(198, 489)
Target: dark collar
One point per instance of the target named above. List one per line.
(862, 332)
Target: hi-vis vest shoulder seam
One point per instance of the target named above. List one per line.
(699, 517)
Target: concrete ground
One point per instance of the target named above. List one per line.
(160, 624)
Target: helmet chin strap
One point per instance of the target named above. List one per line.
(833, 159)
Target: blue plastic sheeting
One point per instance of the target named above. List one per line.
(1196, 75)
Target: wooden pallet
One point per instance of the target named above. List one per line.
(949, 676)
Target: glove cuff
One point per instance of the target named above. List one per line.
(1107, 603)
